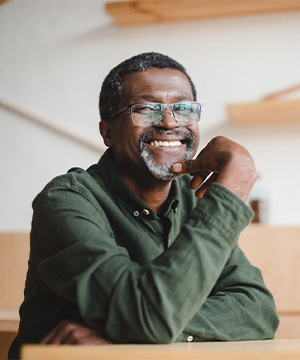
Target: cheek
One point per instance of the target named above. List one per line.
(127, 139)
(195, 131)
(197, 138)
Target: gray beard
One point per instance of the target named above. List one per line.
(164, 171)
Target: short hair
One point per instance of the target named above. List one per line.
(112, 87)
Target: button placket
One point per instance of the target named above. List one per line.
(171, 217)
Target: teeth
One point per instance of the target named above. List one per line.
(165, 143)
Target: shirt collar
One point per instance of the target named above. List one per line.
(126, 196)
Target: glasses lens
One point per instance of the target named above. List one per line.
(187, 112)
(146, 114)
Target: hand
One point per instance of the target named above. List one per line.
(229, 164)
(70, 332)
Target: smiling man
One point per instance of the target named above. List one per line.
(162, 130)
(139, 248)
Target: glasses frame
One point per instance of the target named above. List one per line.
(164, 106)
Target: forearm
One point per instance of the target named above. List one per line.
(240, 307)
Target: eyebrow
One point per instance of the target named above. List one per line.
(153, 98)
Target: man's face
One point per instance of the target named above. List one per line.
(140, 150)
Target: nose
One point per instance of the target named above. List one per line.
(168, 120)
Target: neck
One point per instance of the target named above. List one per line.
(154, 197)
(152, 191)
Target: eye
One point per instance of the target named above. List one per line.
(183, 108)
(146, 109)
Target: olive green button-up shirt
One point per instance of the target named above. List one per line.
(101, 256)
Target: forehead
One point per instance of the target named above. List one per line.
(157, 82)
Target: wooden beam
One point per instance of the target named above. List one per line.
(135, 12)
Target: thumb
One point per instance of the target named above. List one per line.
(185, 167)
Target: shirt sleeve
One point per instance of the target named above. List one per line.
(239, 307)
(78, 260)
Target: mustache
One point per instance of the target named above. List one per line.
(147, 135)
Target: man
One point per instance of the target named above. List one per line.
(132, 250)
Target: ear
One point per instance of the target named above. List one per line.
(105, 128)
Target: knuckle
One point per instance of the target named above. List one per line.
(189, 165)
(69, 326)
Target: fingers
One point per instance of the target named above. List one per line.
(200, 169)
(188, 166)
(197, 180)
(232, 165)
(69, 332)
(51, 338)
(60, 334)
(205, 163)
(205, 185)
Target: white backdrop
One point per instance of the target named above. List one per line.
(54, 56)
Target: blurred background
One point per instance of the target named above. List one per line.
(54, 56)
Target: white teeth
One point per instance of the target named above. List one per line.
(165, 143)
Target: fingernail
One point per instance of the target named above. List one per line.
(177, 167)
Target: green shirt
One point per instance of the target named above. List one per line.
(101, 256)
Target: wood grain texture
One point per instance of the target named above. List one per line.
(243, 350)
(276, 251)
(270, 112)
(137, 12)
(14, 254)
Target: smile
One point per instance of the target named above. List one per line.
(165, 143)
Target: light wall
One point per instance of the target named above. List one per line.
(55, 55)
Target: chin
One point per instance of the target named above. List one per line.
(159, 171)
(160, 161)
(162, 173)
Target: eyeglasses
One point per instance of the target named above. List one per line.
(149, 114)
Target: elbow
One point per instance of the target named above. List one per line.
(159, 332)
(267, 323)
(271, 319)
(272, 324)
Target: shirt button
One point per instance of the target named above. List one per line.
(136, 213)
(146, 212)
(190, 338)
